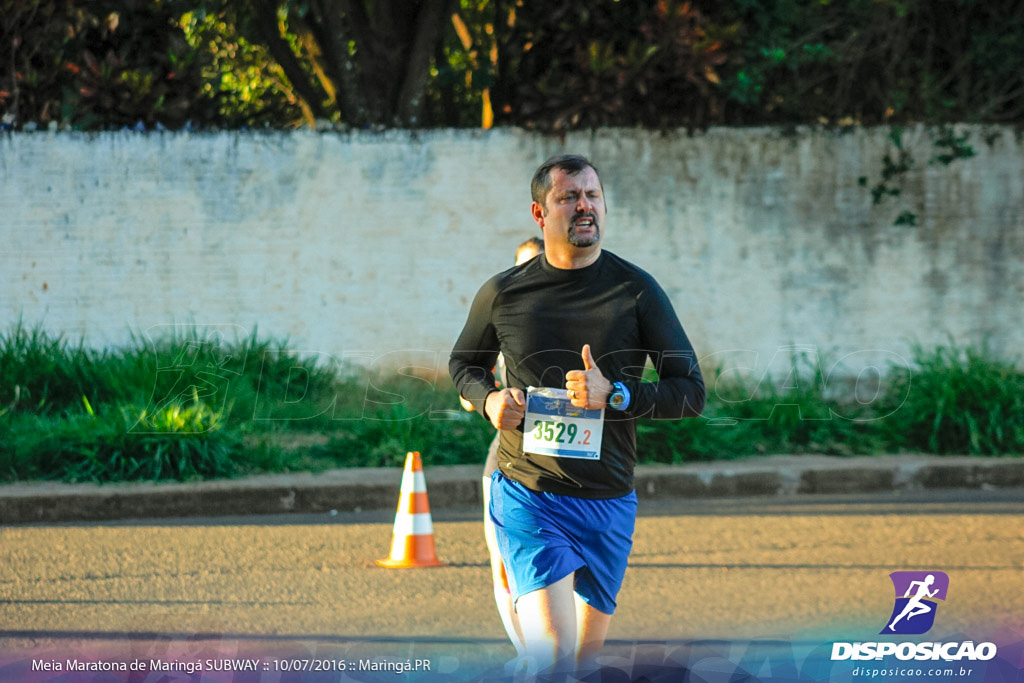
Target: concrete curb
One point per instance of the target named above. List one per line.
(454, 486)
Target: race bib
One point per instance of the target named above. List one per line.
(555, 427)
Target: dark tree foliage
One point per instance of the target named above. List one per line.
(118, 62)
(874, 61)
(583, 64)
(134, 65)
(363, 62)
(105, 63)
(32, 37)
(548, 65)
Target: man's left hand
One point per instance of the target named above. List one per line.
(588, 388)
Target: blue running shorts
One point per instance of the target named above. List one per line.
(544, 537)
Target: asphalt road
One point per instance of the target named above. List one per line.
(798, 570)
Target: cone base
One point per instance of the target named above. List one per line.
(409, 564)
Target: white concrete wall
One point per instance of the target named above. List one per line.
(372, 245)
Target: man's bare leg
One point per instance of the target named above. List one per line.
(547, 618)
(502, 597)
(591, 632)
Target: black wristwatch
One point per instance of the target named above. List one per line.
(619, 399)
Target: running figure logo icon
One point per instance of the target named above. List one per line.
(916, 593)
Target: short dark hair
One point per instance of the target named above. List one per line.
(570, 163)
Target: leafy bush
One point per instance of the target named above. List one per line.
(242, 84)
(99, 65)
(33, 80)
(545, 65)
(874, 61)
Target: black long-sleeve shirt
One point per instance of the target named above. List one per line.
(539, 317)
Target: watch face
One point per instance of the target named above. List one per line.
(617, 400)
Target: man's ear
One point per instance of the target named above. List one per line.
(537, 211)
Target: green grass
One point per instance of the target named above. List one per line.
(195, 405)
(178, 442)
(42, 374)
(745, 416)
(959, 400)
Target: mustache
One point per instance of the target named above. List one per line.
(577, 216)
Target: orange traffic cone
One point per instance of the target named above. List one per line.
(412, 543)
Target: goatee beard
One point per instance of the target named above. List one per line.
(584, 240)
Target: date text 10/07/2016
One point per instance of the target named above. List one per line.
(389, 665)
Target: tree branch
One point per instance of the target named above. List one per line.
(265, 23)
(334, 25)
(412, 94)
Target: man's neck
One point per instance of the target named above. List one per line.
(572, 258)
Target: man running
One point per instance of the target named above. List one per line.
(577, 325)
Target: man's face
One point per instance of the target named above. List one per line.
(574, 209)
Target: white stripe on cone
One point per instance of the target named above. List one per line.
(413, 525)
(414, 482)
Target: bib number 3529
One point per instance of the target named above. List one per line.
(560, 432)
(555, 427)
